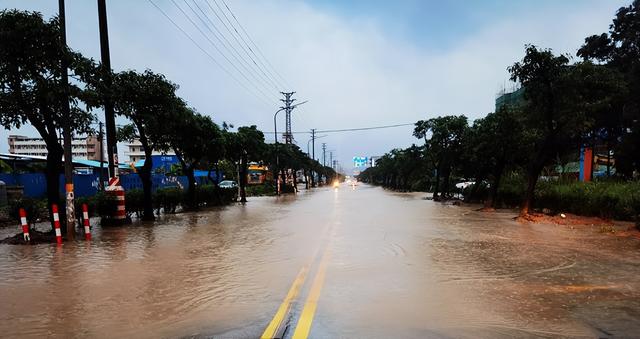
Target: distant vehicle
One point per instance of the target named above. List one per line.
(228, 184)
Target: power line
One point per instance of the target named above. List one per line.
(216, 47)
(357, 129)
(269, 78)
(226, 43)
(364, 128)
(224, 69)
(252, 42)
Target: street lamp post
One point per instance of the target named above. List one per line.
(275, 135)
(276, 176)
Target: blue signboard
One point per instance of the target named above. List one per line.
(360, 161)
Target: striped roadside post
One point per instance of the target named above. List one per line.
(85, 219)
(56, 223)
(25, 225)
(117, 191)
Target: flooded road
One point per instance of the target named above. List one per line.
(363, 263)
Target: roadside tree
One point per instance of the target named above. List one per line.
(32, 91)
(148, 100)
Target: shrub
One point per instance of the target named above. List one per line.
(36, 209)
(511, 190)
(101, 204)
(617, 200)
(134, 202)
(261, 190)
(168, 199)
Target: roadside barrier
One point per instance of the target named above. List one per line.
(25, 225)
(85, 218)
(56, 223)
(117, 191)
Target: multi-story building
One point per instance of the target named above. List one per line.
(82, 148)
(135, 151)
(512, 98)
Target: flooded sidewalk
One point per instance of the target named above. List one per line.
(390, 265)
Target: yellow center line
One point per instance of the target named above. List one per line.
(270, 331)
(309, 310)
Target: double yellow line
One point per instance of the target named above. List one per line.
(306, 318)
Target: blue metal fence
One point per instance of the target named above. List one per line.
(35, 184)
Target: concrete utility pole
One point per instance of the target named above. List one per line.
(66, 132)
(101, 141)
(288, 136)
(109, 116)
(324, 154)
(331, 158)
(313, 143)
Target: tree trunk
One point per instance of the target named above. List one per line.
(145, 177)
(295, 181)
(532, 179)
(436, 189)
(445, 188)
(283, 180)
(608, 160)
(495, 185)
(52, 173)
(192, 199)
(474, 188)
(243, 178)
(533, 173)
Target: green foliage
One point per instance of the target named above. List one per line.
(619, 49)
(36, 209)
(511, 190)
(134, 202)
(211, 195)
(32, 87)
(100, 205)
(400, 169)
(168, 199)
(194, 137)
(266, 189)
(604, 199)
(31, 55)
(444, 143)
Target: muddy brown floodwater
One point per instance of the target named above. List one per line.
(367, 263)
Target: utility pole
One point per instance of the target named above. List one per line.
(324, 154)
(110, 120)
(313, 153)
(331, 158)
(313, 143)
(66, 131)
(101, 141)
(288, 136)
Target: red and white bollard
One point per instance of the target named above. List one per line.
(85, 217)
(56, 223)
(117, 191)
(25, 225)
(121, 213)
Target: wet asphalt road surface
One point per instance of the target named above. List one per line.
(331, 263)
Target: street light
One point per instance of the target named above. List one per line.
(275, 136)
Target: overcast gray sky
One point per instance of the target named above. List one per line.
(359, 63)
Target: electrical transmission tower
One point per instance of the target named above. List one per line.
(288, 136)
